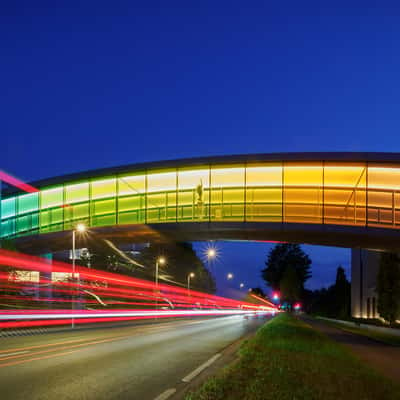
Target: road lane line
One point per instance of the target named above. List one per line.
(84, 345)
(202, 367)
(135, 332)
(12, 354)
(38, 358)
(166, 394)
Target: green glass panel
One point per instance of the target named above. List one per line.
(157, 207)
(104, 220)
(51, 217)
(28, 203)
(52, 197)
(8, 228)
(131, 217)
(101, 207)
(130, 203)
(23, 223)
(8, 208)
(76, 213)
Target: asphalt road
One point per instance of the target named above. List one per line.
(136, 362)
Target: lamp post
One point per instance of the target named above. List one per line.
(160, 261)
(191, 275)
(79, 228)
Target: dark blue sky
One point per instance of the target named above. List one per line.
(89, 84)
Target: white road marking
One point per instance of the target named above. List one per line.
(13, 354)
(166, 394)
(202, 367)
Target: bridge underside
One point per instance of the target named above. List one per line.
(328, 235)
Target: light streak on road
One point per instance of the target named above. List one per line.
(119, 297)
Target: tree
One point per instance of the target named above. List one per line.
(257, 291)
(333, 301)
(341, 294)
(286, 256)
(388, 287)
(290, 286)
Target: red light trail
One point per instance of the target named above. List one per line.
(141, 299)
(11, 180)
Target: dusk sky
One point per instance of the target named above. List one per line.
(88, 84)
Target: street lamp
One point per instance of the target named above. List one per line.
(241, 285)
(160, 261)
(191, 275)
(80, 228)
(229, 276)
(211, 253)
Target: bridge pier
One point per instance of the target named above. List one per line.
(364, 272)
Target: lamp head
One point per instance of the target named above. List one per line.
(80, 227)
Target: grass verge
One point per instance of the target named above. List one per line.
(287, 359)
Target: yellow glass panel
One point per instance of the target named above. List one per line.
(227, 193)
(193, 193)
(77, 193)
(302, 193)
(345, 176)
(51, 197)
(264, 192)
(131, 185)
(190, 179)
(222, 177)
(344, 193)
(103, 189)
(264, 175)
(161, 182)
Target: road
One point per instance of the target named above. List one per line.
(135, 362)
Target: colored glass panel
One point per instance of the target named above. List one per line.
(103, 188)
(227, 193)
(383, 194)
(76, 193)
(264, 192)
(131, 199)
(161, 203)
(8, 208)
(27, 203)
(193, 193)
(344, 193)
(302, 194)
(51, 197)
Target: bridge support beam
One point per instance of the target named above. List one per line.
(364, 272)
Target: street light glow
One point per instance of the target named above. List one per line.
(191, 274)
(81, 227)
(241, 285)
(161, 260)
(211, 253)
(229, 276)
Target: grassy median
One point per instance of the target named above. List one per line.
(287, 359)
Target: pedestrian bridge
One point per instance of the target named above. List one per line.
(339, 199)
